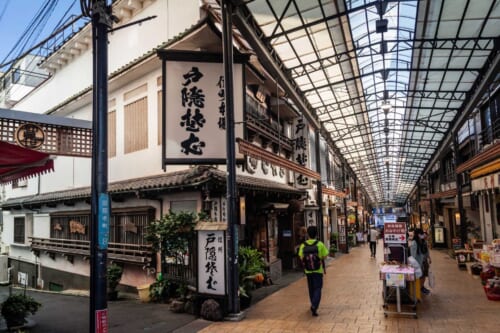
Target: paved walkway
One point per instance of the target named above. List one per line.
(352, 302)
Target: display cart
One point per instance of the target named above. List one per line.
(399, 280)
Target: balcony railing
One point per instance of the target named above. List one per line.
(127, 253)
(266, 130)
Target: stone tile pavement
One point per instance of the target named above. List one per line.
(352, 302)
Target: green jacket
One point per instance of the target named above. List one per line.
(322, 253)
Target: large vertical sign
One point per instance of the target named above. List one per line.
(211, 262)
(301, 152)
(196, 113)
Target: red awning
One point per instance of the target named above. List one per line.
(17, 162)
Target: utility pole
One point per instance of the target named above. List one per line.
(232, 234)
(319, 185)
(100, 14)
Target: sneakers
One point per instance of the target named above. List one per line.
(425, 291)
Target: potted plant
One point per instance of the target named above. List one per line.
(159, 290)
(114, 274)
(16, 308)
(333, 249)
(333, 244)
(251, 269)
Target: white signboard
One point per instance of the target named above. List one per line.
(486, 183)
(196, 112)
(22, 278)
(395, 233)
(211, 262)
(439, 235)
(395, 280)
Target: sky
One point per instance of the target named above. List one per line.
(16, 16)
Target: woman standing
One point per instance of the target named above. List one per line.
(419, 251)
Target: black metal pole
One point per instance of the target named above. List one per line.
(356, 221)
(345, 209)
(232, 235)
(321, 234)
(461, 210)
(100, 209)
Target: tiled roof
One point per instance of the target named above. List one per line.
(169, 181)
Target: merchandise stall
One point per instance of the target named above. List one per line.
(489, 258)
(399, 287)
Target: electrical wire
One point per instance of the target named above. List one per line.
(36, 25)
(64, 17)
(86, 6)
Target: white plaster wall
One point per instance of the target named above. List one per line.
(41, 225)
(79, 266)
(125, 45)
(8, 228)
(22, 252)
(66, 82)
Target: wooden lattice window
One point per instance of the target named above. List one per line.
(126, 226)
(129, 227)
(136, 125)
(71, 226)
(19, 230)
(112, 134)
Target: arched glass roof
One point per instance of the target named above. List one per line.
(385, 79)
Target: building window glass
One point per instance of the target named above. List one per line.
(19, 230)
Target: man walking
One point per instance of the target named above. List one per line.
(312, 253)
(373, 235)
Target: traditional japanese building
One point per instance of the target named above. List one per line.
(46, 218)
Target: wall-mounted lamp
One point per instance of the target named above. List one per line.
(457, 218)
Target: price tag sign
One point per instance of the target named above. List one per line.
(395, 280)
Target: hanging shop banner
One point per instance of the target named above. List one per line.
(395, 233)
(301, 152)
(195, 115)
(211, 260)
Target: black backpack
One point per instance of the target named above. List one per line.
(311, 259)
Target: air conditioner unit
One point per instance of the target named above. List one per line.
(4, 249)
(4, 269)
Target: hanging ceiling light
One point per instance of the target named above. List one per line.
(386, 107)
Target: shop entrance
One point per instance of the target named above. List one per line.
(286, 240)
